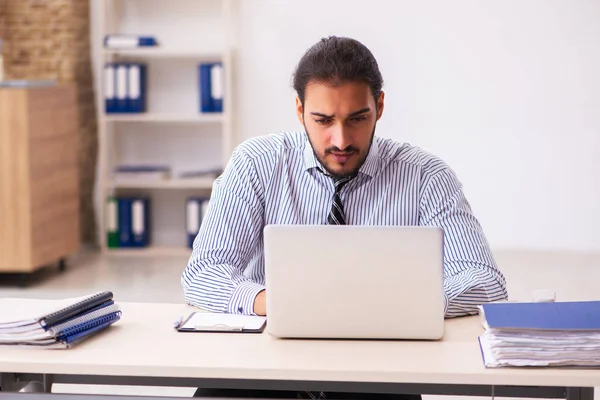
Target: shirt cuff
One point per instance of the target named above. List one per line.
(242, 298)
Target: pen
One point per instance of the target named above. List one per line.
(178, 322)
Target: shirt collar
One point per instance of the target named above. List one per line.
(369, 167)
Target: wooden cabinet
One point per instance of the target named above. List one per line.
(39, 176)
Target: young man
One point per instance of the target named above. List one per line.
(336, 172)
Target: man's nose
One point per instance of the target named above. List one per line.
(340, 137)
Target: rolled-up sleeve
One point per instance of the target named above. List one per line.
(471, 276)
(229, 236)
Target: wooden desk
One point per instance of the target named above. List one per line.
(144, 349)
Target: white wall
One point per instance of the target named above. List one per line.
(506, 91)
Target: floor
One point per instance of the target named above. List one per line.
(572, 276)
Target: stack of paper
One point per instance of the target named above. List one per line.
(62, 326)
(541, 334)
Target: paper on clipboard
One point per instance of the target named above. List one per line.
(219, 322)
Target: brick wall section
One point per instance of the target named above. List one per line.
(50, 39)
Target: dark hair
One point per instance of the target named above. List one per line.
(336, 60)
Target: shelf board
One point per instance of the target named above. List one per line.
(165, 117)
(159, 52)
(191, 183)
(151, 251)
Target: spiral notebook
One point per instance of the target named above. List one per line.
(48, 314)
(73, 325)
(75, 336)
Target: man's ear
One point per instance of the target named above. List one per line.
(380, 104)
(300, 110)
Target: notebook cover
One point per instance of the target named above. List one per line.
(76, 338)
(84, 319)
(572, 316)
(88, 326)
(77, 308)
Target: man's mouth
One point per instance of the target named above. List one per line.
(341, 157)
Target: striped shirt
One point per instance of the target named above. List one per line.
(274, 179)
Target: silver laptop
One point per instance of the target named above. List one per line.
(354, 282)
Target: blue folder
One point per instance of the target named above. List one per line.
(125, 234)
(134, 221)
(129, 41)
(136, 88)
(140, 222)
(121, 87)
(110, 88)
(204, 82)
(194, 214)
(566, 316)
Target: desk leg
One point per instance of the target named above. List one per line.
(49, 380)
(579, 393)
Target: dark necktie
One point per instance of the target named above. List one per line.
(336, 215)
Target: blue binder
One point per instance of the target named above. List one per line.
(129, 41)
(195, 210)
(206, 104)
(125, 234)
(566, 316)
(136, 88)
(110, 87)
(216, 87)
(121, 88)
(211, 85)
(140, 222)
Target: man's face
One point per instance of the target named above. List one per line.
(340, 124)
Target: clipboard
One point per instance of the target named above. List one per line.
(221, 322)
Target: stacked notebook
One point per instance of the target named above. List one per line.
(62, 327)
(561, 334)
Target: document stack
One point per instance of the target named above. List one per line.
(561, 334)
(62, 327)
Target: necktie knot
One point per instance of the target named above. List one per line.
(340, 182)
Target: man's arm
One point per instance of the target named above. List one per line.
(228, 237)
(471, 276)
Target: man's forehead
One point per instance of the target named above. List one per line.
(342, 98)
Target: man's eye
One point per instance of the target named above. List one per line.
(358, 119)
(323, 121)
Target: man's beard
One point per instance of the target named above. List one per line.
(359, 164)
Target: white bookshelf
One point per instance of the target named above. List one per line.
(191, 183)
(150, 53)
(153, 251)
(166, 117)
(172, 131)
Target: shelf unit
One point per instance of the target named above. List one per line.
(191, 183)
(153, 252)
(172, 130)
(164, 117)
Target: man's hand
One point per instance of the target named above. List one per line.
(260, 303)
